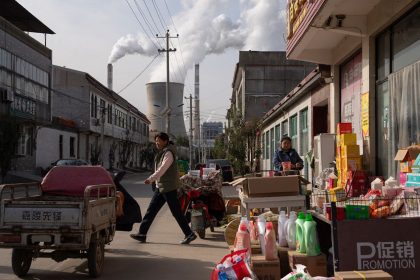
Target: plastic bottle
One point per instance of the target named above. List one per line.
(261, 232)
(300, 237)
(270, 243)
(253, 232)
(242, 239)
(291, 230)
(311, 237)
(282, 228)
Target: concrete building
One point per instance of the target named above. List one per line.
(373, 48)
(79, 100)
(262, 79)
(25, 72)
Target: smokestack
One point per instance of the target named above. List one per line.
(196, 130)
(110, 78)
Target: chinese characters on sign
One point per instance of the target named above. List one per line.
(35, 215)
(385, 255)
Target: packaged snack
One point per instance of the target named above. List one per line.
(381, 212)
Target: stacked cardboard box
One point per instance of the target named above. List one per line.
(370, 274)
(413, 178)
(265, 269)
(348, 153)
(316, 265)
(407, 159)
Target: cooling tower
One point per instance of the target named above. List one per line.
(156, 99)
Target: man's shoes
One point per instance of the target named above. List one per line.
(188, 239)
(139, 237)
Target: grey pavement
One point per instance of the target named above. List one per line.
(162, 257)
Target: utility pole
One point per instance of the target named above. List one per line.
(191, 132)
(102, 134)
(167, 50)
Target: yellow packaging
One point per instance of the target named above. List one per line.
(350, 151)
(337, 140)
(348, 139)
(351, 163)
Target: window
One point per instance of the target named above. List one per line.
(267, 145)
(284, 129)
(293, 132)
(109, 113)
(303, 129)
(102, 109)
(72, 153)
(92, 106)
(96, 107)
(277, 135)
(60, 146)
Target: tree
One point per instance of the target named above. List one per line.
(243, 146)
(219, 150)
(9, 137)
(126, 147)
(147, 155)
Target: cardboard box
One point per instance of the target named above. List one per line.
(408, 154)
(269, 186)
(284, 260)
(351, 163)
(348, 139)
(263, 269)
(343, 128)
(357, 275)
(350, 151)
(316, 265)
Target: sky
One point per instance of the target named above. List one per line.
(92, 33)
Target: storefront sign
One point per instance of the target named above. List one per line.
(300, 14)
(365, 114)
(392, 245)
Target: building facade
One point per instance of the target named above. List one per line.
(373, 48)
(25, 86)
(111, 131)
(301, 115)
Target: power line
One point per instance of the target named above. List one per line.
(139, 74)
(152, 32)
(158, 14)
(150, 14)
(144, 30)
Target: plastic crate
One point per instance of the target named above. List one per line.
(357, 212)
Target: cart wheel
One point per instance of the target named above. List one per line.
(211, 227)
(96, 256)
(21, 261)
(202, 233)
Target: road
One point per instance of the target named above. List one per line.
(162, 257)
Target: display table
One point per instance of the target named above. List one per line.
(248, 203)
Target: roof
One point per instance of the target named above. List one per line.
(16, 14)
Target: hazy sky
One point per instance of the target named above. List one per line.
(91, 33)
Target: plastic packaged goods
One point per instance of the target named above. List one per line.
(282, 228)
(242, 239)
(311, 237)
(291, 230)
(261, 232)
(300, 237)
(270, 243)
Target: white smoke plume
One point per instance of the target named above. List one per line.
(204, 30)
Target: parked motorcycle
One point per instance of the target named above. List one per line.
(204, 209)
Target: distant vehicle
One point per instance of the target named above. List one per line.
(224, 165)
(61, 162)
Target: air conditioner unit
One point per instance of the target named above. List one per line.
(95, 122)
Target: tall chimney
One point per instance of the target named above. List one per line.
(196, 130)
(110, 78)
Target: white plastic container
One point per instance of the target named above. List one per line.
(261, 232)
(282, 229)
(291, 230)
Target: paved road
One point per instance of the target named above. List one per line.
(161, 258)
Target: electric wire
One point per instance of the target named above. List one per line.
(152, 32)
(132, 81)
(158, 14)
(144, 30)
(150, 14)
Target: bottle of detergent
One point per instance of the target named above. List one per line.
(282, 229)
(300, 237)
(242, 238)
(253, 232)
(270, 243)
(311, 237)
(291, 230)
(261, 232)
